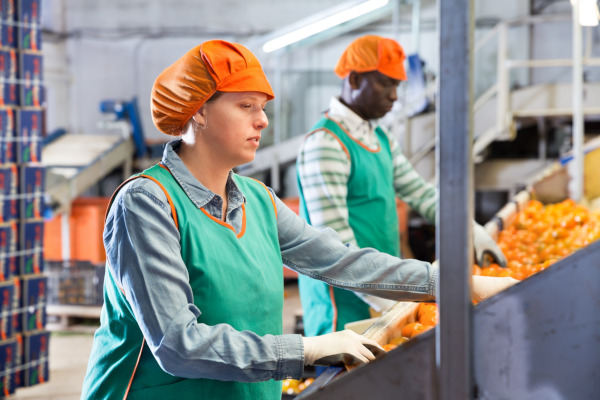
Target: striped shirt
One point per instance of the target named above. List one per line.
(324, 170)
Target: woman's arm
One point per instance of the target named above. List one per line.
(143, 253)
(321, 254)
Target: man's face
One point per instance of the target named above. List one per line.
(373, 94)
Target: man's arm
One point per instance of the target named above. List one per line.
(410, 187)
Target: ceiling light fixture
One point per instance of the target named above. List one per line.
(323, 24)
(588, 12)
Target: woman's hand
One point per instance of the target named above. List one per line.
(345, 346)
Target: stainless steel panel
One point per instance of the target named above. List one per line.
(540, 339)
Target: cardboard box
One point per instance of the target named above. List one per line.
(7, 294)
(30, 37)
(9, 91)
(17, 309)
(31, 247)
(9, 10)
(13, 246)
(9, 87)
(8, 365)
(29, 135)
(30, 75)
(28, 13)
(5, 242)
(36, 357)
(31, 188)
(8, 64)
(34, 289)
(8, 34)
(7, 135)
(9, 210)
(19, 357)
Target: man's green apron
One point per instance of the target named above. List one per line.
(235, 280)
(374, 220)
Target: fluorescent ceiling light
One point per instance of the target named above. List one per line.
(588, 12)
(322, 25)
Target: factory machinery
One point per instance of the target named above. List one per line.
(536, 340)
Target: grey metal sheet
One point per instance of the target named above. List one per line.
(407, 372)
(540, 339)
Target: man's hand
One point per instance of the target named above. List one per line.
(344, 346)
(485, 247)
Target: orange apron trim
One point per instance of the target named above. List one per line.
(218, 221)
(134, 369)
(155, 181)
(270, 195)
(332, 298)
(334, 136)
(353, 138)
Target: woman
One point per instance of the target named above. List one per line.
(194, 285)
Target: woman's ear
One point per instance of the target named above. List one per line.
(200, 116)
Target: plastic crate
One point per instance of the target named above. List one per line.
(75, 283)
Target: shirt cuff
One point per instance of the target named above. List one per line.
(291, 357)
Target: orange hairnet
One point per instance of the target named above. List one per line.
(181, 89)
(373, 53)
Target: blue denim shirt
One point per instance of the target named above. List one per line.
(143, 252)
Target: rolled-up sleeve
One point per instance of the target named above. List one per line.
(143, 251)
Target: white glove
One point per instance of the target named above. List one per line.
(345, 346)
(484, 287)
(486, 246)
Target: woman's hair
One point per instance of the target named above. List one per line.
(215, 96)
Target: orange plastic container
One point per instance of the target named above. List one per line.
(86, 224)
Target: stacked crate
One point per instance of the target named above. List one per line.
(23, 284)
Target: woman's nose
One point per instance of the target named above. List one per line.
(262, 121)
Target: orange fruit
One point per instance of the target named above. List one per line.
(413, 329)
(425, 308)
(397, 341)
(389, 346)
(429, 318)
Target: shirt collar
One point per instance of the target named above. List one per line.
(196, 191)
(361, 129)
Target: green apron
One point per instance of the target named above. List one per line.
(374, 220)
(235, 280)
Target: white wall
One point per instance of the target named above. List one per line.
(113, 49)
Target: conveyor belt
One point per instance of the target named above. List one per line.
(75, 162)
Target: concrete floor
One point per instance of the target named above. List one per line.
(70, 349)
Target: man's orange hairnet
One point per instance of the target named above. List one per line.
(373, 53)
(181, 89)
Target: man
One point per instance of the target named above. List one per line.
(350, 171)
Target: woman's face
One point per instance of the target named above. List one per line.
(233, 126)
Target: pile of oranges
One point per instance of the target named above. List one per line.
(539, 236)
(542, 235)
(295, 386)
(427, 318)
